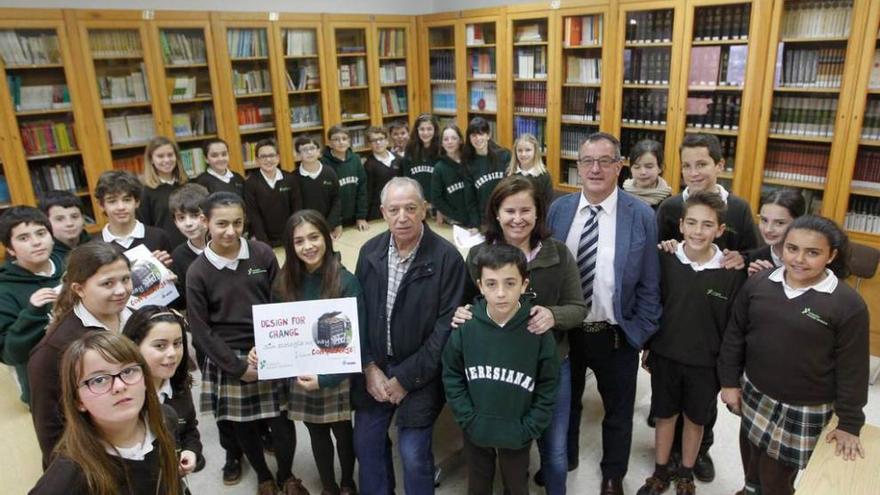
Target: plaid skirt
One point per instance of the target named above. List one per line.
(319, 406)
(785, 432)
(231, 399)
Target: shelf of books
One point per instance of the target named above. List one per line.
(801, 140)
(722, 79)
(649, 35)
(582, 48)
(530, 78)
(47, 129)
(482, 40)
(395, 70)
(442, 75)
(351, 105)
(188, 68)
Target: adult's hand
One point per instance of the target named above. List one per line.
(395, 391)
(541, 319)
(376, 381)
(462, 314)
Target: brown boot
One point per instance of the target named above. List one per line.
(267, 487)
(294, 486)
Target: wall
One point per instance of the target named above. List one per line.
(407, 7)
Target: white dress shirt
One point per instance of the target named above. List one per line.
(273, 180)
(126, 240)
(224, 177)
(90, 320)
(712, 264)
(827, 285)
(221, 262)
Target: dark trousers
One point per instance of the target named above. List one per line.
(765, 475)
(283, 440)
(228, 440)
(708, 434)
(616, 371)
(514, 464)
(322, 448)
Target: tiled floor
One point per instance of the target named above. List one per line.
(21, 466)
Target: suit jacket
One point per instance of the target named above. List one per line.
(636, 297)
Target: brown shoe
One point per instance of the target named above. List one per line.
(611, 486)
(294, 486)
(653, 486)
(267, 488)
(684, 486)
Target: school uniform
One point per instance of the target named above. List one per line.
(421, 169)
(228, 182)
(353, 185)
(186, 431)
(542, 183)
(379, 172)
(45, 374)
(453, 194)
(154, 238)
(320, 191)
(740, 233)
(154, 212)
(651, 196)
(485, 172)
(269, 202)
(764, 253)
(62, 250)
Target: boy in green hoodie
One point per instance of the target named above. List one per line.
(500, 379)
(352, 177)
(65, 212)
(27, 281)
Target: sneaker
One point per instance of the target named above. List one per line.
(653, 486)
(294, 486)
(685, 486)
(704, 468)
(232, 472)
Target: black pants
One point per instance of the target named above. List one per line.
(514, 464)
(322, 448)
(283, 440)
(616, 371)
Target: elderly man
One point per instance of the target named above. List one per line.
(413, 280)
(613, 236)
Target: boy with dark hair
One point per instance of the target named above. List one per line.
(381, 166)
(27, 281)
(319, 185)
(352, 177)
(119, 194)
(184, 205)
(697, 294)
(500, 379)
(398, 131)
(65, 212)
(270, 196)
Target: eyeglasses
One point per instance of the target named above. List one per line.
(267, 157)
(101, 384)
(308, 148)
(604, 162)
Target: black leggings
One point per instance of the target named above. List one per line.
(322, 447)
(283, 439)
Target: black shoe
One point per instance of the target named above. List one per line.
(652, 422)
(539, 477)
(200, 463)
(704, 468)
(232, 472)
(573, 464)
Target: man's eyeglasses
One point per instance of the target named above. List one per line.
(101, 384)
(604, 162)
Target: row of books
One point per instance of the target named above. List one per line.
(130, 129)
(530, 32)
(863, 215)
(353, 73)
(247, 43)
(133, 164)
(129, 88)
(479, 34)
(585, 30)
(573, 178)
(867, 171)
(392, 43)
(358, 135)
(110, 43)
(651, 26)
(442, 66)
(249, 154)
(482, 64)
(528, 125)
(252, 81)
(300, 42)
(714, 111)
(871, 121)
(183, 87)
(392, 73)
(58, 177)
(810, 67)
(183, 47)
(804, 115)
(570, 140)
(38, 97)
(583, 70)
(29, 48)
(45, 137)
(307, 115)
(718, 65)
(646, 65)
(193, 161)
(195, 122)
(530, 62)
(796, 161)
(394, 101)
(814, 18)
(254, 116)
(728, 151)
(580, 104)
(530, 97)
(484, 97)
(645, 107)
(303, 75)
(350, 41)
(629, 138)
(725, 22)
(443, 97)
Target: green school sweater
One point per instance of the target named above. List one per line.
(421, 170)
(62, 250)
(352, 185)
(486, 174)
(453, 194)
(500, 381)
(22, 325)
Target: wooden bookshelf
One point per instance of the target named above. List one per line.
(394, 69)
(349, 40)
(531, 89)
(442, 88)
(484, 39)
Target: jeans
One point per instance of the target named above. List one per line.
(553, 444)
(373, 451)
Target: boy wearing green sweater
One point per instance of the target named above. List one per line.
(352, 177)
(27, 281)
(500, 379)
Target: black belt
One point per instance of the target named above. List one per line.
(595, 327)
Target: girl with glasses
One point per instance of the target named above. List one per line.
(270, 195)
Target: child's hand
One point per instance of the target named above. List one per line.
(250, 375)
(43, 297)
(308, 382)
(163, 257)
(187, 462)
(759, 266)
(363, 225)
(645, 366)
(733, 260)
(668, 246)
(541, 319)
(462, 314)
(440, 218)
(732, 396)
(252, 357)
(848, 445)
(336, 233)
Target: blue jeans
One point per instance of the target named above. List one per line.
(373, 450)
(553, 444)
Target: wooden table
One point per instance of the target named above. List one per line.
(828, 474)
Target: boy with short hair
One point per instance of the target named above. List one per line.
(65, 212)
(270, 196)
(352, 177)
(319, 185)
(697, 294)
(500, 379)
(184, 205)
(27, 281)
(399, 132)
(381, 166)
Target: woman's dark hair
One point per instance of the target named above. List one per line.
(289, 284)
(790, 199)
(505, 188)
(496, 256)
(211, 142)
(220, 199)
(647, 146)
(479, 125)
(836, 237)
(143, 320)
(415, 148)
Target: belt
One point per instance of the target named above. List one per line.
(596, 326)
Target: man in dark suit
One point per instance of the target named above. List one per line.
(613, 236)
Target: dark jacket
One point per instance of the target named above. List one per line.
(154, 212)
(186, 430)
(420, 323)
(62, 250)
(352, 185)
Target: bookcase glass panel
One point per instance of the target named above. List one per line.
(392, 73)
(571, 136)
(252, 87)
(530, 66)
(441, 70)
(303, 78)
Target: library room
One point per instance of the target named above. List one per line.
(246, 246)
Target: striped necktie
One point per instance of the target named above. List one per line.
(588, 248)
